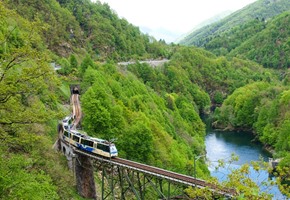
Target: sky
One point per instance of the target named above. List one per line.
(169, 19)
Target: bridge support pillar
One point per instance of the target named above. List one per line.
(85, 177)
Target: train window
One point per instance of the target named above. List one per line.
(76, 138)
(90, 143)
(87, 142)
(100, 146)
(66, 134)
(105, 148)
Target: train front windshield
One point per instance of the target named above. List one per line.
(113, 150)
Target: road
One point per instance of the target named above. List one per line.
(153, 63)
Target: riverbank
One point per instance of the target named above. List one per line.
(220, 145)
(215, 126)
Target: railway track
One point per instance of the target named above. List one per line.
(165, 174)
(77, 114)
(147, 169)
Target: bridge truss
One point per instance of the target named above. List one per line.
(124, 179)
(119, 182)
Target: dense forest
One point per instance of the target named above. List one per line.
(261, 9)
(76, 27)
(154, 109)
(272, 45)
(257, 32)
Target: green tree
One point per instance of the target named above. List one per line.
(87, 62)
(65, 67)
(27, 103)
(238, 180)
(100, 109)
(25, 73)
(218, 97)
(90, 77)
(137, 142)
(73, 61)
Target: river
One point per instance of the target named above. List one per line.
(220, 145)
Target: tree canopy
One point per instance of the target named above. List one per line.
(151, 113)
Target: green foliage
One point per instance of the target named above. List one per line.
(73, 61)
(153, 113)
(218, 97)
(29, 168)
(60, 29)
(75, 26)
(256, 32)
(239, 181)
(262, 9)
(263, 108)
(86, 63)
(197, 72)
(241, 105)
(283, 176)
(273, 121)
(89, 78)
(118, 106)
(225, 42)
(26, 75)
(138, 141)
(270, 45)
(65, 67)
(103, 112)
(20, 181)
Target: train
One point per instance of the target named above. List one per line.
(84, 142)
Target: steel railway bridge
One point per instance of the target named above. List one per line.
(125, 179)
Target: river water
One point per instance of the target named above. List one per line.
(220, 145)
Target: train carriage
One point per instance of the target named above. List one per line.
(86, 143)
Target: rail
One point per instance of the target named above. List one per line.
(147, 169)
(77, 114)
(165, 174)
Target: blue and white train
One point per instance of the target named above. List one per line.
(86, 143)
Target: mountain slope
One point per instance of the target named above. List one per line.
(78, 26)
(209, 21)
(154, 112)
(29, 167)
(262, 9)
(271, 46)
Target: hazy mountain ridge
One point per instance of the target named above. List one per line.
(262, 9)
(205, 23)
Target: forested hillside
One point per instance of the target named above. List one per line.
(115, 103)
(120, 106)
(28, 112)
(82, 26)
(215, 75)
(263, 108)
(233, 38)
(265, 42)
(252, 32)
(152, 113)
(261, 9)
(269, 47)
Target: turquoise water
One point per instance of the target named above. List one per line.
(220, 145)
